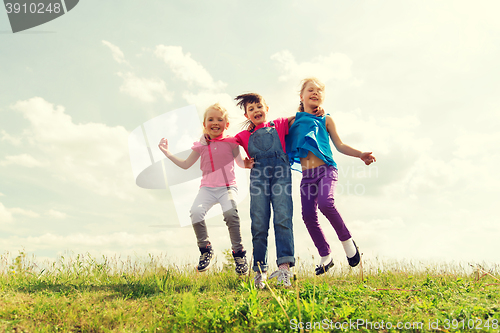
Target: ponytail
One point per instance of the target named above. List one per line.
(301, 107)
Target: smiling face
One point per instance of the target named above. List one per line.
(256, 112)
(311, 96)
(215, 123)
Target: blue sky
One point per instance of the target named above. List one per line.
(415, 82)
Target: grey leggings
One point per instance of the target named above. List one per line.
(207, 197)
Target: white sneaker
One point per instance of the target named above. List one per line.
(283, 277)
(259, 280)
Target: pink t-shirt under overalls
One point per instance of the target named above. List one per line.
(281, 126)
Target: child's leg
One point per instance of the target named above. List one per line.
(260, 213)
(227, 200)
(231, 217)
(309, 197)
(200, 230)
(326, 204)
(203, 202)
(281, 198)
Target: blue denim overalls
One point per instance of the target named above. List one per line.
(270, 183)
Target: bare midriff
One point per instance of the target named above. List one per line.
(311, 161)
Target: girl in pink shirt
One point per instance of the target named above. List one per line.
(218, 184)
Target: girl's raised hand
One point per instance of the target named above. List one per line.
(163, 145)
(368, 158)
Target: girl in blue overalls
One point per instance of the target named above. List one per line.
(270, 185)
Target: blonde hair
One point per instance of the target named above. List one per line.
(217, 107)
(304, 82)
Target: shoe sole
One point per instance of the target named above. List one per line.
(204, 269)
(242, 273)
(326, 268)
(356, 264)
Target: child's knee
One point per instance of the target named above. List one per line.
(198, 214)
(259, 231)
(309, 215)
(326, 205)
(231, 217)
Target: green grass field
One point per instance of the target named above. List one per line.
(87, 294)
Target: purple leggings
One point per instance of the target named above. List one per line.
(316, 191)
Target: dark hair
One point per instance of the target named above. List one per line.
(244, 100)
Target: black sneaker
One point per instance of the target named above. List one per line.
(321, 269)
(240, 260)
(354, 261)
(206, 255)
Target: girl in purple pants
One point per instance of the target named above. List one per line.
(308, 143)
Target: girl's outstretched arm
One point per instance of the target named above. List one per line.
(185, 164)
(368, 158)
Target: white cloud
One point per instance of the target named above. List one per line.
(204, 99)
(431, 176)
(474, 144)
(5, 214)
(379, 224)
(409, 164)
(121, 243)
(380, 135)
(76, 240)
(92, 155)
(186, 68)
(8, 138)
(116, 52)
(24, 160)
(145, 90)
(334, 66)
(56, 214)
(24, 212)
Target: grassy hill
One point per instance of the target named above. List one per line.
(87, 294)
